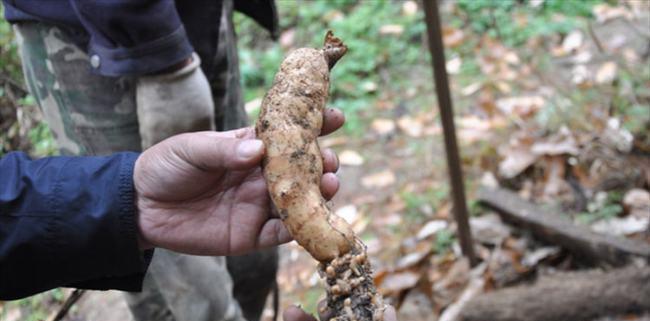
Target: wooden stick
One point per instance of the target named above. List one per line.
(437, 51)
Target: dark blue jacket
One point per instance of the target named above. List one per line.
(135, 37)
(68, 221)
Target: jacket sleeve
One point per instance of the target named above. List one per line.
(132, 37)
(68, 221)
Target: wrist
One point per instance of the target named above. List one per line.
(140, 211)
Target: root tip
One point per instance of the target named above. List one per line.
(333, 49)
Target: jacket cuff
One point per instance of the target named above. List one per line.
(142, 59)
(134, 263)
(129, 264)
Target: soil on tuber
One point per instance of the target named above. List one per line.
(289, 124)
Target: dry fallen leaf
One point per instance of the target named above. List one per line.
(392, 29)
(369, 86)
(637, 202)
(448, 288)
(471, 88)
(472, 128)
(333, 15)
(332, 141)
(411, 259)
(617, 136)
(394, 283)
(391, 219)
(580, 75)
(561, 143)
(554, 183)
(606, 73)
(416, 306)
(410, 126)
(409, 8)
(489, 180)
(621, 226)
(573, 41)
(453, 65)
(378, 180)
(452, 37)
(351, 215)
(350, 158)
(604, 12)
(517, 159)
(531, 259)
(522, 106)
(489, 229)
(253, 105)
(383, 126)
(348, 213)
(287, 38)
(431, 228)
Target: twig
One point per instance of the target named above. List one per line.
(6, 79)
(473, 288)
(69, 302)
(599, 45)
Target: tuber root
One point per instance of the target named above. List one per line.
(289, 124)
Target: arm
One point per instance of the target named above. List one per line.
(82, 221)
(68, 221)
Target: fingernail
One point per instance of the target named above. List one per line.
(249, 148)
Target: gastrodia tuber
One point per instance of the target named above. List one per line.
(289, 124)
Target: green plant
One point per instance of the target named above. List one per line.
(602, 209)
(443, 241)
(515, 22)
(358, 23)
(9, 59)
(414, 202)
(43, 143)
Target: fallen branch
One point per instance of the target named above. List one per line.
(572, 296)
(69, 302)
(605, 250)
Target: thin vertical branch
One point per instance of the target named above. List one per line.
(436, 49)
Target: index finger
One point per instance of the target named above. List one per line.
(294, 313)
(333, 119)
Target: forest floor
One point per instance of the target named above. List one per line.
(561, 117)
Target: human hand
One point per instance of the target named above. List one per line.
(204, 194)
(294, 313)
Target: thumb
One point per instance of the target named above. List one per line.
(210, 152)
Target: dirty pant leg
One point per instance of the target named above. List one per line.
(195, 288)
(90, 114)
(224, 77)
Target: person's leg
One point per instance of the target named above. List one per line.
(254, 274)
(88, 114)
(226, 89)
(198, 288)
